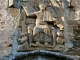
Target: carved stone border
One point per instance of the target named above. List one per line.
(40, 52)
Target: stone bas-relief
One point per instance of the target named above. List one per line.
(40, 27)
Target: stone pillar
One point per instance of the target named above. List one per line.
(68, 30)
(72, 16)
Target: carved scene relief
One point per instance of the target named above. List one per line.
(41, 26)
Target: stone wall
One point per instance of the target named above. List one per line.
(8, 24)
(6, 30)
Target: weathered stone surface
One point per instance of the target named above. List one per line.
(38, 25)
(42, 31)
(6, 30)
(42, 24)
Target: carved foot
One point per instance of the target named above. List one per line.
(22, 40)
(60, 47)
(38, 43)
(23, 47)
(46, 44)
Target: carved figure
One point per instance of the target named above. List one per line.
(43, 33)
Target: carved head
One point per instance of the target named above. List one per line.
(42, 6)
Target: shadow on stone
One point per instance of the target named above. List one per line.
(40, 55)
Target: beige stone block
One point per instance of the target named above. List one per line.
(23, 47)
(60, 26)
(22, 40)
(10, 2)
(59, 33)
(60, 40)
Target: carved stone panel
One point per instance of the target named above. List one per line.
(40, 26)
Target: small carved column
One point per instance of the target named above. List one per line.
(53, 31)
(30, 35)
(23, 27)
